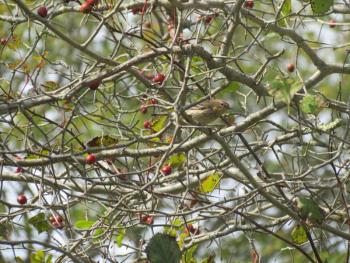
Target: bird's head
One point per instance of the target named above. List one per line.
(220, 106)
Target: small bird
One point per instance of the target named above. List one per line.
(207, 111)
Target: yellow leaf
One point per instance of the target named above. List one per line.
(210, 183)
(159, 123)
(177, 159)
(14, 42)
(41, 154)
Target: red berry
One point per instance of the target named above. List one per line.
(136, 10)
(57, 225)
(19, 170)
(42, 11)
(153, 101)
(147, 124)
(3, 41)
(208, 19)
(332, 23)
(166, 170)
(91, 158)
(249, 4)
(85, 8)
(22, 199)
(94, 84)
(56, 218)
(191, 229)
(143, 108)
(149, 220)
(291, 67)
(159, 78)
(92, 2)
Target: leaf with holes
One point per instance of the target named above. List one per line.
(311, 104)
(283, 89)
(321, 6)
(163, 248)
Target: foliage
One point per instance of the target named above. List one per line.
(266, 180)
(163, 248)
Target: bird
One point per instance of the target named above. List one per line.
(207, 111)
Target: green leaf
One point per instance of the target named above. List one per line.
(321, 6)
(14, 43)
(38, 257)
(119, 238)
(308, 209)
(196, 59)
(39, 222)
(159, 123)
(232, 87)
(188, 255)
(84, 224)
(210, 183)
(330, 126)
(49, 259)
(283, 89)
(209, 259)
(299, 235)
(286, 10)
(163, 248)
(170, 231)
(98, 232)
(311, 104)
(177, 223)
(176, 160)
